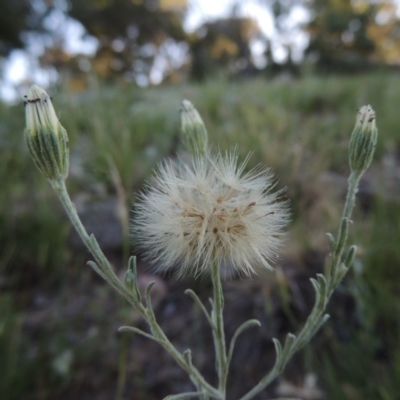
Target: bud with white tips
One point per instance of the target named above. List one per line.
(363, 140)
(193, 129)
(47, 140)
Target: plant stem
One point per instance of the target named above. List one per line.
(353, 181)
(263, 383)
(315, 319)
(104, 269)
(218, 328)
(123, 214)
(341, 240)
(192, 371)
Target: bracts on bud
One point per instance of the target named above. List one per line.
(46, 139)
(194, 131)
(363, 140)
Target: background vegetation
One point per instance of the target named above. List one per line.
(58, 321)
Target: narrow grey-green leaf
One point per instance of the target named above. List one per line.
(242, 328)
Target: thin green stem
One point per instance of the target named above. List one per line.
(104, 269)
(192, 371)
(196, 299)
(218, 328)
(316, 318)
(123, 211)
(353, 181)
(341, 239)
(61, 190)
(123, 215)
(264, 382)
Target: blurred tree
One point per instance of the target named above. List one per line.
(281, 11)
(223, 44)
(385, 33)
(17, 17)
(130, 32)
(350, 35)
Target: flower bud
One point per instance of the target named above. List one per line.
(193, 130)
(47, 140)
(363, 140)
(130, 280)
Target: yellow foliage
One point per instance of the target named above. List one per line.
(360, 6)
(77, 84)
(172, 5)
(224, 46)
(338, 5)
(383, 34)
(102, 64)
(387, 46)
(249, 29)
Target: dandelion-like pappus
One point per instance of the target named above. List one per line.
(193, 215)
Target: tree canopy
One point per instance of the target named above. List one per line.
(134, 35)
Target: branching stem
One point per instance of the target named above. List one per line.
(104, 269)
(332, 277)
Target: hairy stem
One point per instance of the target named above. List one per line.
(333, 277)
(341, 240)
(104, 269)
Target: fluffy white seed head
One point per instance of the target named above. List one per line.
(210, 211)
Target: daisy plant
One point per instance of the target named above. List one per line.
(200, 218)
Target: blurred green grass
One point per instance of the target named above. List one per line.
(299, 128)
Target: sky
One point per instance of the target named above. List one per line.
(21, 66)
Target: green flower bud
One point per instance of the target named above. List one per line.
(47, 140)
(130, 280)
(363, 140)
(193, 130)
